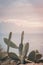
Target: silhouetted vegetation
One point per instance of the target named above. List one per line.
(23, 58)
(34, 56)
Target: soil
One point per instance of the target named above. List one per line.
(14, 63)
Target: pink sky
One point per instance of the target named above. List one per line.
(19, 15)
(24, 13)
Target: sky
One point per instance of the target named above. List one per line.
(19, 15)
(25, 15)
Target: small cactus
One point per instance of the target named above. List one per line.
(14, 56)
(23, 50)
(26, 49)
(1, 48)
(38, 56)
(22, 37)
(34, 56)
(9, 42)
(10, 35)
(21, 44)
(37, 51)
(20, 49)
(3, 57)
(31, 56)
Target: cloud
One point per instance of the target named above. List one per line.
(7, 3)
(39, 11)
(25, 12)
(25, 23)
(16, 12)
(11, 3)
(6, 27)
(22, 10)
(36, 2)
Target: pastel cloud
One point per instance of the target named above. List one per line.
(39, 11)
(24, 13)
(12, 8)
(10, 2)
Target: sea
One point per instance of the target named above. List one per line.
(35, 41)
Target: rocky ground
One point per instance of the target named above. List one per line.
(14, 63)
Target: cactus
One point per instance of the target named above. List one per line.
(9, 42)
(10, 35)
(22, 51)
(21, 44)
(22, 37)
(38, 56)
(3, 57)
(31, 56)
(34, 56)
(26, 49)
(37, 51)
(14, 56)
(21, 47)
(1, 48)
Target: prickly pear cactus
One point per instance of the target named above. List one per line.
(2, 57)
(26, 49)
(34, 56)
(22, 37)
(10, 35)
(14, 56)
(9, 42)
(38, 56)
(37, 51)
(23, 50)
(31, 56)
(21, 44)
